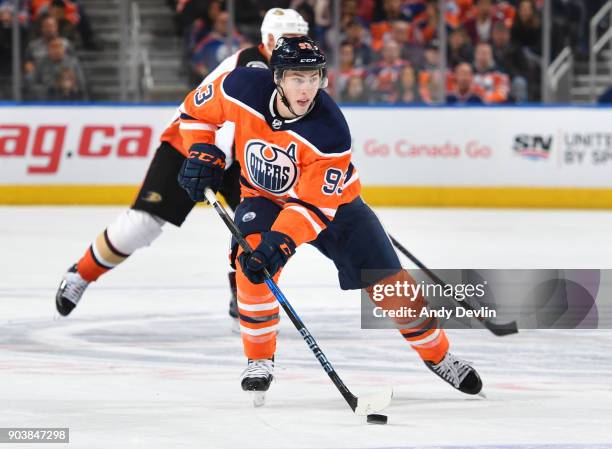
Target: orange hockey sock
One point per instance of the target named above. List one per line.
(100, 257)
(258, 312)
(423, 334)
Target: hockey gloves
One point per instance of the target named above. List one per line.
(203, 168)
(272, 253)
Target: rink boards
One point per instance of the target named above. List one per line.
(477, 156)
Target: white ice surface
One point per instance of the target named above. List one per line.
(147, 360)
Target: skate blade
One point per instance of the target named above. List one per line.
(374, 403)
(482, 394)
(259, 399)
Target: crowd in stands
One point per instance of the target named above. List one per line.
(390, 49)
(50, 31)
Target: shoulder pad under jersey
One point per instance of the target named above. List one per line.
(250, 86)
(325, 126)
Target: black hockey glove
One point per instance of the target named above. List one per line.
(272, 253)
(203, 168)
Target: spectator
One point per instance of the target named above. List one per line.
(305, 10)
(337, 81)
(480, 26)
(464, 90)
(202, 18)
(47, 72)
(410, 51)
(390, 11)
(384, 75)
(66, 88)
(430, 78)
(511, 60)
(71, 17)
(6, 49)
(408, 87)
(527, 29)
(188, 12)
(355, 92)
(487, 76)
(459, 47)
(211, 50)
(41, 8)
(425, 26)
(6, 39)
(66, 28)
(356, 36)
(38, 48)
(348, 13)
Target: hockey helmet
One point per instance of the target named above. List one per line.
(279, 22)
(297, 53)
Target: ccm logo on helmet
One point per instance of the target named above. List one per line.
(269, 167)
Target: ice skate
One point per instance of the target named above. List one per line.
(458, 373)
(257, 378)
(70, 291)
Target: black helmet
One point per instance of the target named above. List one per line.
(297, 53)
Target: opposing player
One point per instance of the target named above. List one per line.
(298, 186)
(160, 199)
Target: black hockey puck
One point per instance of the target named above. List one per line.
(377, 419)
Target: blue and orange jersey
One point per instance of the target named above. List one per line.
(302, 164)
(249, 57)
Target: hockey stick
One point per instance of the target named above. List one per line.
(360, 405)
(498, 329)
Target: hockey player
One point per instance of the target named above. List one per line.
(160, 198)
(298, 186)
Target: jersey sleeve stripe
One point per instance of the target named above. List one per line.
(314, 209)
(350, 181)
(304, 212)
(184, 116)
(198, 126)
(328, 211)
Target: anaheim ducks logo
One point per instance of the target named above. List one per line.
(271, 168)
(152, 197)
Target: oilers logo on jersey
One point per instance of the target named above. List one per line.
(269, 167)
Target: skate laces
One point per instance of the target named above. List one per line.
(258, 368)
(73, 287)
(452, 369)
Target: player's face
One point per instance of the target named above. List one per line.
(300, 88)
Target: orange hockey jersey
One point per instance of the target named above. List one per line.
(303, 164)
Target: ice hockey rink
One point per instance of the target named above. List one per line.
(148, 359)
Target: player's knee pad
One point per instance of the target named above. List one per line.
(134, 229)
